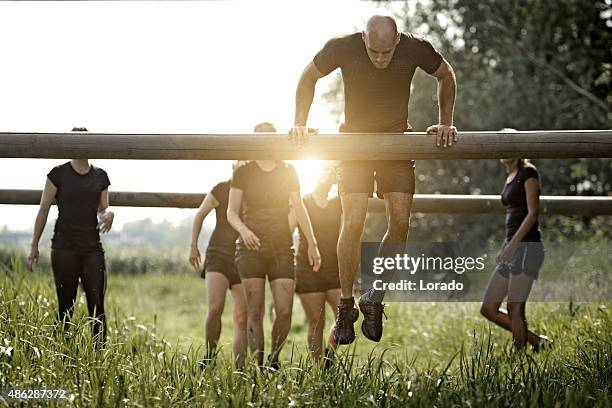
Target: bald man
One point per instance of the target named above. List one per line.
(377, 69)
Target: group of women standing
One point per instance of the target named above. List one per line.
(263, 205)
(256, 214)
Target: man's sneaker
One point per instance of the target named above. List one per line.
(371, 326)
(344, 331)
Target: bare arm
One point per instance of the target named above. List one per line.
(447, 91)
(305, 93)
(292, 220)
(303, 221)
(105, 216)
(208, 203)
(233, 217)
(48, 195)
(303, 100)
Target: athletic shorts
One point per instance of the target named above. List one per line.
(221, 261)
(262, 263)
(391, 176)
(528, 259)
(308, 281)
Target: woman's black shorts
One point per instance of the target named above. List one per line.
(308, 281)
(262, 263)
(221, 260)
(528, 259)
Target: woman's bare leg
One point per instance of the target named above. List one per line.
(216, 287)
(333, 298)
(282, 293)
(239, 314)
(314, 307)
(518, 292)
(497, 289)
(255, 302)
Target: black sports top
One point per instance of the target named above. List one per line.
(376, 100)
(78, 196)
(326, 226)
(514, 198)
(265, 202)
(223, 235)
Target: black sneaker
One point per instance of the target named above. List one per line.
(330, 355)
(344, 331)
(373, 311)
(274, 365)
(543, 344)
(205, 362)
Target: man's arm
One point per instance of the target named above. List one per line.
(303, 100)
(305, 93)
(447, 90)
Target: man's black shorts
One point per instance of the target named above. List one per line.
(391, 176)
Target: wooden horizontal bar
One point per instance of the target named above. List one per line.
(423, 203)
(346, 146)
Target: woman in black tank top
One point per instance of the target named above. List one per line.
(521, 255)
(81, 192)
(315, 289)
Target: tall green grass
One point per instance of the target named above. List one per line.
(431, 354)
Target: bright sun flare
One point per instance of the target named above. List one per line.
(308, 172)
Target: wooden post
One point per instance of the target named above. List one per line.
(353, 146)
(423, 203)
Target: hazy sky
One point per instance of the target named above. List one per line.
(211, 66)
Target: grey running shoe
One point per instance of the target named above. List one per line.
(344, 331)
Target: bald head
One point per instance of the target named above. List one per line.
(265, 127)
(381, 28)
(380, 38)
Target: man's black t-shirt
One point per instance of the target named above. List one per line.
(515, 199)
(78, 196)
(223, 235)
(376, 100)
(326, 226)
(265, 200)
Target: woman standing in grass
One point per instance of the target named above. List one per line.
(220, 272)
(81, 192)
(316, 288)
(260, 194)
(521, 256)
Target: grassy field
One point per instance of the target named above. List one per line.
(431, 355)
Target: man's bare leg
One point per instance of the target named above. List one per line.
(398, 207)
(354, 210)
